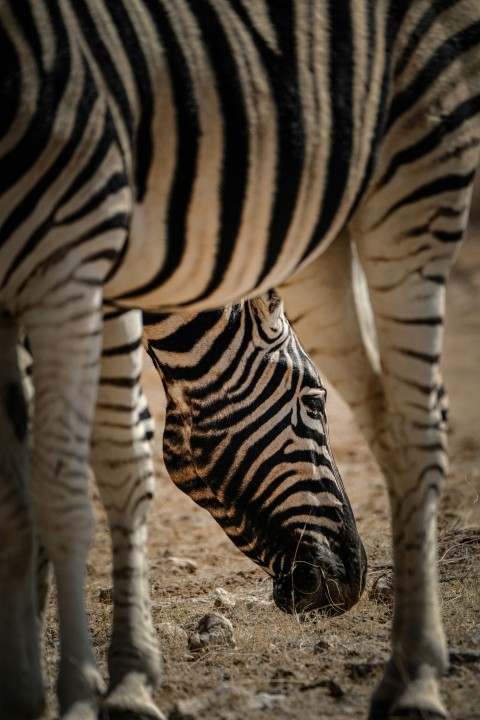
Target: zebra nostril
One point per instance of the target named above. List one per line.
(306, 578)
(321, 580)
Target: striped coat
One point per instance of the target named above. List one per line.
(179, 155)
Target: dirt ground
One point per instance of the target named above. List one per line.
(295, 668)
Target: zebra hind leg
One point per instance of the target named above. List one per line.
(407, 254)
(123, 465)
(412, 452)
(21, 689)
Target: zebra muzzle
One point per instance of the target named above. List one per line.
(322, 582)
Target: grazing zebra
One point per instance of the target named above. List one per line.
(177, 156)
(246, 437)
(229, 375)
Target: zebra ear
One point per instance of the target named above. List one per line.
(269, 309)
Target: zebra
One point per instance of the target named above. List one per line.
(177, 157)
(246, 437)
(278, 495)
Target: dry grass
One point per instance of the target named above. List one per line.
(311, 667)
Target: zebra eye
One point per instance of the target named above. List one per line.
(315, 404)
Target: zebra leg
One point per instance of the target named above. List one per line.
(407, 254)
(123, 465)
(65, 340)
(21, 689)
(327, 322)
(42, 561)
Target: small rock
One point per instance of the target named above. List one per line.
(382, 590)
(185, 564)
(213, 629)
(171, 631)
(224, 599)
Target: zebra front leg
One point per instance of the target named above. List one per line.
(123, 465)
(66, 350)
(21, 688)
(42, 561)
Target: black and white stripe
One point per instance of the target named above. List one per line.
(180, 155)
(246, 437)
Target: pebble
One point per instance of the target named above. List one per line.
(251, 601)
(212, 629)
(382, 590)
(185, 564)
(224, 599)
(171, 631)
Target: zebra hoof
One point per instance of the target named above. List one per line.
(416, 714)
(138, 711)
(131, 700)
(381, 711)
(132, 715)
(80, 711)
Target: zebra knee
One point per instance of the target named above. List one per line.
(66, 532)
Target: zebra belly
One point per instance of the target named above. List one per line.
(242, 265)
(257, 157)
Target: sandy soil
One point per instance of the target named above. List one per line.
(292, 668)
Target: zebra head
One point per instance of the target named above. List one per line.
(246, 437)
